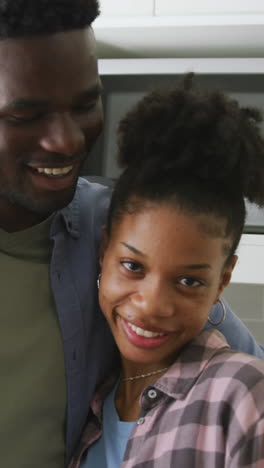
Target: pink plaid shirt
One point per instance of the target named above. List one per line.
(206, 411)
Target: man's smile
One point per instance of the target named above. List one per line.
(53, 171)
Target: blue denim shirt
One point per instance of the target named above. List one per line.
(89, 350)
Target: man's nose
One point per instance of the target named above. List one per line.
(154, 299)
(63, 135)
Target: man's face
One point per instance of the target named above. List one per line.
(50, 117)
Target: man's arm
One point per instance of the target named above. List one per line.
(235, 332)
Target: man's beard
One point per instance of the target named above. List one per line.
(44, 206)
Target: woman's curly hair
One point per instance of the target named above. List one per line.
(22, 18)
(198, 147)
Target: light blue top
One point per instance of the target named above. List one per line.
(109, 450)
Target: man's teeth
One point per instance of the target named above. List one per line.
(146, 333)
(56, 171)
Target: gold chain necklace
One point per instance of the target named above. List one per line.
(142, 376)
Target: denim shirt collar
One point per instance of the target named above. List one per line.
(68, 218)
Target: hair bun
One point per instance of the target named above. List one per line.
(202, 133)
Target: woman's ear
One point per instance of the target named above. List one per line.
(226, 276)
(103, 245)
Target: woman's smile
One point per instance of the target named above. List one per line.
(142, 337)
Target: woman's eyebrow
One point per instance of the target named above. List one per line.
(133, 249)
(191, 266)
(197, 266)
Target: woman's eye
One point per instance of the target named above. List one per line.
(132, 266)
(190, 282)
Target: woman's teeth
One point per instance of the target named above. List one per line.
(146, 333)
(56, 171)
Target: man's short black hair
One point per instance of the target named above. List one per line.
(23, 18)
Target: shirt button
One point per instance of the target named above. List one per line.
(140, 421)
(152, 394)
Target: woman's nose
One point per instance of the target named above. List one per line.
(154, 299)
(63, 136)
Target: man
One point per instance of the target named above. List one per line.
(55, 345)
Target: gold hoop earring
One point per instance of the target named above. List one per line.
(216, 324)
(98, 281)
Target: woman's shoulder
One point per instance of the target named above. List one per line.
(208, 362)
(216, 372)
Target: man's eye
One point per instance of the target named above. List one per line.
(25, 119)
(82, 108)
(190, 282)
(132, 266)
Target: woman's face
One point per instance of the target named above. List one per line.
(161, 273)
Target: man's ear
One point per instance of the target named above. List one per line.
(103, 245)
(226, 276)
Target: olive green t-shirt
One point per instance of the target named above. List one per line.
(32, 372)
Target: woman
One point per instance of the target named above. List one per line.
(181, 397)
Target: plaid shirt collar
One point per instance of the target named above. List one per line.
(180, 377)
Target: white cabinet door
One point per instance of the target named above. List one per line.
(250, 266)
(127, 7)
(209, 7)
